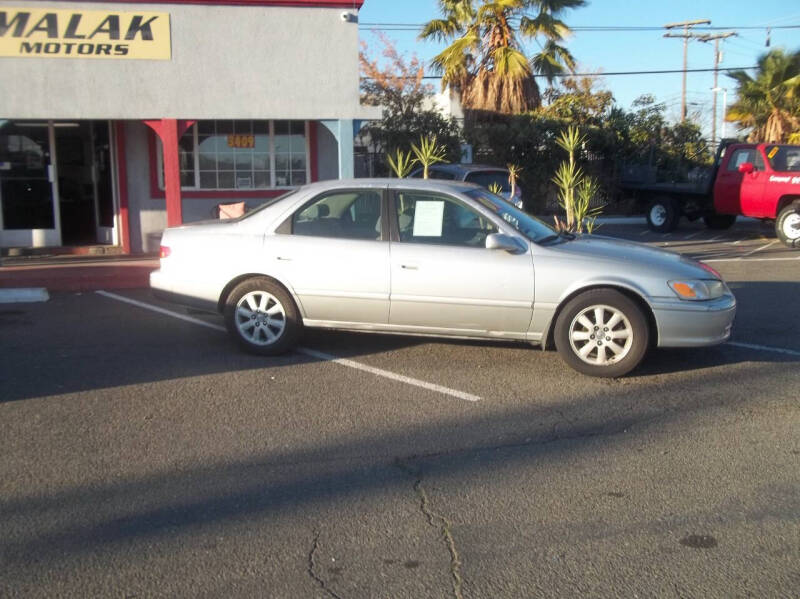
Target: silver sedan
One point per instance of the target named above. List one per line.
(444, 259)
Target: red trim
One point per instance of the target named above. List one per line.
(313, 157)
(352, 4)
(122, 183)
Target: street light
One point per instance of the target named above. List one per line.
(724, 91)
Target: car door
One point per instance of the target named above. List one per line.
(333, 252)
(444, 279)
(741, 193)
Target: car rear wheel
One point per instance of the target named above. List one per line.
(262, 317)
(787, 226)
(719, 221)
(662, 214)
(602, 333)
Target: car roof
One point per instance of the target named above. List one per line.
(423, 184)
(468, 168)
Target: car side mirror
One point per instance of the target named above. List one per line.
(746, 167)
(501, 241)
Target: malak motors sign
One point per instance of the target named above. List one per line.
(84, 34)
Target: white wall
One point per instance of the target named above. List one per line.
(231, 62)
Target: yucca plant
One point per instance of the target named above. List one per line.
(513, 175)
(569, 174)
(496, 188)
(428, 153)
(401, 164)
(585, 214)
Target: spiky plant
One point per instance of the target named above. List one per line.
(428, 152)
(513, 175)
(401, 164)
(568, 175)
(496, 188)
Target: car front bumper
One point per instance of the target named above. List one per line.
(694, 324)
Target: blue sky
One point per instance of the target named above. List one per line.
(634, 51)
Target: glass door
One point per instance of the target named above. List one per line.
(29, 215)
(104, 183)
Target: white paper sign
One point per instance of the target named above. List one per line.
(428, 217)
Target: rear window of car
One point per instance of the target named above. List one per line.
(489, 178)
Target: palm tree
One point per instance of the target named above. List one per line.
(769, 103)
(485, 61)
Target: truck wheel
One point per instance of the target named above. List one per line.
(787, 226)
(662, 215)
(719, 221)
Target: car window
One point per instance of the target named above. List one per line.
(784, 158)
(527, 225)
(488, 178)
(435, 173)
(435, 219)
(743, 155)
(347, 215)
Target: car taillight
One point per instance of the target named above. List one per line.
(165, 252)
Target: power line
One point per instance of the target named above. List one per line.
(659, 72)
(587, 28)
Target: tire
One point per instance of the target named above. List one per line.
(719, 221)
(276, 323)
(662, 214)
(787, 226)
(575, 332)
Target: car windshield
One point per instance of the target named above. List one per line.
(527, 225)
(784, 158)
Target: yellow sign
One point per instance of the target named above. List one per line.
(772, 152)
(241, 141)
(49, 33)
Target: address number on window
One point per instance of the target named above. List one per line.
(241, 141)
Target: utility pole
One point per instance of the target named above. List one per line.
(685, 35)
(717, 59)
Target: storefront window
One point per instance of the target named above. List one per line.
(241, 155)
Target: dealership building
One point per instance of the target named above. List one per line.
(122, 118)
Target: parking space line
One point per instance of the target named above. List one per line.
(695, 234)
(740, 259)
(780, 350)
(763, 247)
(306, 351)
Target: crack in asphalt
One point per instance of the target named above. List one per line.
(312, 568)
(444, 528)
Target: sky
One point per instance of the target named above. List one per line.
(633, 50)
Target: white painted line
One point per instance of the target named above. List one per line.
(695, 234)
(643, 233)
(763, 247)
(748, 259)
(23, 295)
(780, 350)
(304, 350)
(160, 310)
(389, 375)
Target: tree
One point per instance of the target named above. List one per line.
(769, 103)
(485, 62)
(398, 87)
(577, 100)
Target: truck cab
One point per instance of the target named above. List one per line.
(757, 180)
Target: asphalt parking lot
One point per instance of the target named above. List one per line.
(142, 455)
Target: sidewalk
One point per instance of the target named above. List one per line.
(78, 273)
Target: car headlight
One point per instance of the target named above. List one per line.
(698, 289)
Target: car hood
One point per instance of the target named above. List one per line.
(631, 255)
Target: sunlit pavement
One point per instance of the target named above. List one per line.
(143, 455)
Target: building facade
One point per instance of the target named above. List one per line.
(121, 118)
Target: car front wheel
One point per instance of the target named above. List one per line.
(787, 226)
(602, 333)
(262, 317)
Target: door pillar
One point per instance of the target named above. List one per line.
(169, 132)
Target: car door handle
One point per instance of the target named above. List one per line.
(284, 258)
(409, 266)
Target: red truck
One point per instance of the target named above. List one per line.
(756, 180)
